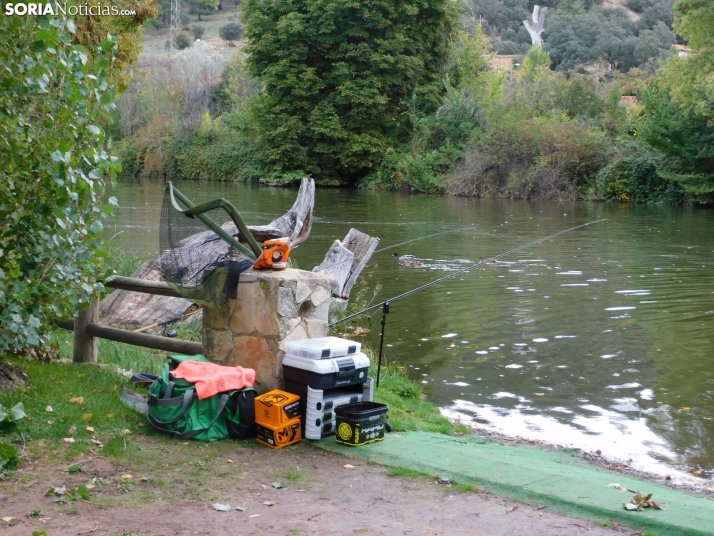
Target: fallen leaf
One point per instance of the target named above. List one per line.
(90, 428)
(221, 507)
(539, 394)
(83, 492)
(348, 466)
(7, 519)
(230, 461)
(72, 429)
(126, 477)
(588, 393)
(86, 417)
(49, 409)
(125, 431)
(77, 400)
(68, 440)
(269, 503)
(241, 508)
(685, 408)
(278, 485)
(50, 422)
(696, 472)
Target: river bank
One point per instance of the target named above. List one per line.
(132, 474)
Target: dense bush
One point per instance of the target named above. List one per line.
(631, 176)
(538, 158)
(182, 40)
(198, 31)
(231, 31)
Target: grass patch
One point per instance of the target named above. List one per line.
(408, 408)
(124, 356)
(294, 474)
(79, 396)
(465, 487)
(405, 472)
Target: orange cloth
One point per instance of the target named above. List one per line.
(211, 379)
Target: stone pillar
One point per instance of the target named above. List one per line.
(271, 307)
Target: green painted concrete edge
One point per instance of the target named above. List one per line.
(538, 476)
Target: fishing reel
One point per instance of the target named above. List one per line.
(275, 255)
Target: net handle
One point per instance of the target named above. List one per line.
(192, 210)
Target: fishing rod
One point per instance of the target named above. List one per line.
(385, 304)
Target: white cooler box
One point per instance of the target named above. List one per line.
(326, 373)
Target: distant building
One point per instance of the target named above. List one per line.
(682, 51)
(505, 62)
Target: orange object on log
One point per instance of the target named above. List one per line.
(275, 255)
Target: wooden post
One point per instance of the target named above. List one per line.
(85, 346)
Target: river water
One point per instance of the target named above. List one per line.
(601, 338)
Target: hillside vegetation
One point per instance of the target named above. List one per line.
(406, 99)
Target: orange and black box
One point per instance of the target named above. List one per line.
(279, 436)
(276, 408)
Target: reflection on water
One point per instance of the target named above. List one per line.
(601, 338)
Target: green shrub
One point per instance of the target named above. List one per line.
(632, 176)
(541, 158)
(182, 40)
(197, 30)
(231, 31)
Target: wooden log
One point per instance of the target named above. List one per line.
(363, 246)
(142, 339)
(345, 260)
(158, 288)
(336, 266)
(136, 310)
(65, 324)
(85, 345)
(133, 310)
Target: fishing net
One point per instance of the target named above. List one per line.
(194, 259)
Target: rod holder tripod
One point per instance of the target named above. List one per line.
(385, 312)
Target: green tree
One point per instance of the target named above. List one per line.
(678, 117)
(231, 31)
(55, 164)
(202, 7)
(197, 30)
(91, 31)
(338, 78)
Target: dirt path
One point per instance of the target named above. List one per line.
(173, 486)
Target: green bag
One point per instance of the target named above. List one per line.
(175, 409)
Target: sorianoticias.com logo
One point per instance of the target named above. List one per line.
(66, 9)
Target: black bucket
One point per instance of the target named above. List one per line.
(360, 423)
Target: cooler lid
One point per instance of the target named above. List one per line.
(322, 347)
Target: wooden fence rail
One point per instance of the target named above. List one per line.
(87, 328)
